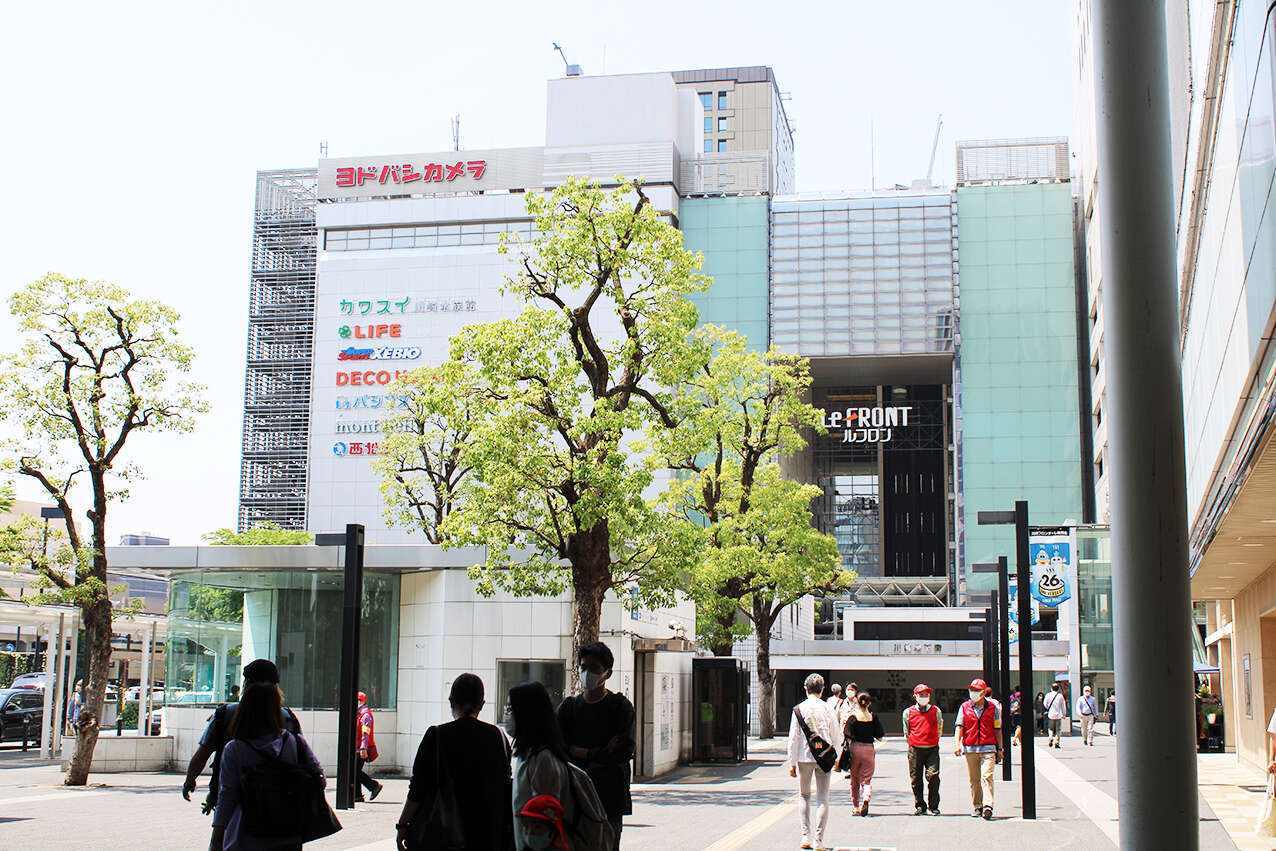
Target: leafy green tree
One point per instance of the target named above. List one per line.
(210, 603)
(564, 390)
(264, 535)
(737, 415)
(95, 368)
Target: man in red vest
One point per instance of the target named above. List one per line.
(978, 737)
(924, 724)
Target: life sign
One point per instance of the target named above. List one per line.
(868, 425)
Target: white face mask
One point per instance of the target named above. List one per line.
(590, 680)
(538, 841)
(975, 695)
(923, 701)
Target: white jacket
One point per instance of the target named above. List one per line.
(822, 721)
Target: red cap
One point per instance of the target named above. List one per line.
(363, 697)
(547, 808)
(978, 684)
(922, 688)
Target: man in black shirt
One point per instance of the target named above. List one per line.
(598, 727)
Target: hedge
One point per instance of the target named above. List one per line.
(13, 664)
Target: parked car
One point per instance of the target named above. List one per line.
(134, 692)
(156, 721)
(35, 679)
(21, 710)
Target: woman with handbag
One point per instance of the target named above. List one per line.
(459, 796)
(271, 784)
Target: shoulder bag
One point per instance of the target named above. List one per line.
(825, 756)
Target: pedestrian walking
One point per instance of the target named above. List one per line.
(1056, 711)
(978, 737)
(365, 743)
(1039, 713)
(924, 724)
(1088, 708)
(1016, 710)
(598, 731)
(863, 729)
(541, 824)
(542, 767)
(1109, 709)
(254, 782)
(836, 698)
(217, 733)
(461, 782)
(73, 707)
(814, 741)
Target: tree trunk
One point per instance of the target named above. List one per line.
(725, 622)
(762, 621)
(97, 635)
(590, 556)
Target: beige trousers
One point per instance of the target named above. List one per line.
(981, 767)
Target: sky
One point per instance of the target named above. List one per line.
(134, 131)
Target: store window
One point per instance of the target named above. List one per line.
(219, 620)
(706, 100)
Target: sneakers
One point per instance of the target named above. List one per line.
(934, 811)
(978, 813)
(375, 792)
(806, 843)
(987, 813)
(920, 811)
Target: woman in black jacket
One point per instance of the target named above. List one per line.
(463, 767)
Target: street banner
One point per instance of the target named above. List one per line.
(1052, 553)
(1033, 606)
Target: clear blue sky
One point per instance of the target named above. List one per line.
(133, 131)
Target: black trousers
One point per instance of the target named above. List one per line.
(364, 780)
(923, 764)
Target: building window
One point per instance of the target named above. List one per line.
(708, 145)
(722, 124)
(550, 673)
(722, 100)
(708, 124)
(706, 100)
(722, 145)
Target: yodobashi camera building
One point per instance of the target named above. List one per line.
(365, 266)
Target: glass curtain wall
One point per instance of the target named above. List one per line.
(1094, 607)
(218, 620)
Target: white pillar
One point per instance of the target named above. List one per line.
(144, 693)
(50, 671)
(60, 689)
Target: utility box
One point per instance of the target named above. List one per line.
(720, 708)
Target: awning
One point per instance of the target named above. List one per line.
(1204, 668)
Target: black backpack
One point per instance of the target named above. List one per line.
(222, 716)
(275, 795)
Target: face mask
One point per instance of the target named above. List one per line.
(923, 701)
(591, 680)
(975, 695)
(538, 841)
(508, 722)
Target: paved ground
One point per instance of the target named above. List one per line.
(749, 806)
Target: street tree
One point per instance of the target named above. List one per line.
(264, 535)
(554, 488)
(96, 368)
(421, 459)
(737, 416)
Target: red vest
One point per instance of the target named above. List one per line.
(976, 728)
(923, 726)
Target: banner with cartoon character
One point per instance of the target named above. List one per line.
(1052, 552)
(1033, 606)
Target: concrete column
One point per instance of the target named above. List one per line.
(1151, 595)
(50, 672)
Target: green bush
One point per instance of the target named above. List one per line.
(13, 664)
(129, 716)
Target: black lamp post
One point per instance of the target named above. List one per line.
(348, 688)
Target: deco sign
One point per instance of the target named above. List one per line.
(868, 425)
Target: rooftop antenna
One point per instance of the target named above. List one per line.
(939, 125)
(572, 70)
(323, 149)
(456, 132)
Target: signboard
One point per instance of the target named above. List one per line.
(1013, 608)
(868, 425)
(1052, 553)
(918, 648)
(438, 173)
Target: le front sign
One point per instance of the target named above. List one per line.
(868, 425)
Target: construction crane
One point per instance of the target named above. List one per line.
(934, 148)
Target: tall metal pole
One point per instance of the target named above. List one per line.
(1023, 598)
(990, 644)
(352, 610)
(1157, 794)
(1003, 657)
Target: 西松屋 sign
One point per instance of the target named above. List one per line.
(868, 425)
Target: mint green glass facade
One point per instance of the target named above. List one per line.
(1018, 363)
(731, 232)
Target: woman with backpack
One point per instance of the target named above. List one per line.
(541, 767)
(459, 796)
(262, 765)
